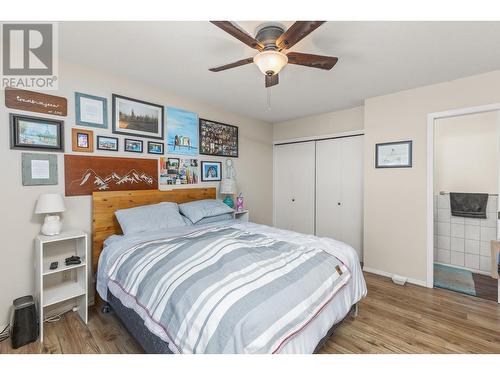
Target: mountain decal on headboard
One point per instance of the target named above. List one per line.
(85, 174)
(104, 183)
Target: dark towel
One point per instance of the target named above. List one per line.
(471, 205)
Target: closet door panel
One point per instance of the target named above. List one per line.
(328, 189)
(339, 190)
(294, 187)
(352, 192)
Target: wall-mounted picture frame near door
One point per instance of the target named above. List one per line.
(394, 154)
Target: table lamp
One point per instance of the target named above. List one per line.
(228, 187)
(48, 204)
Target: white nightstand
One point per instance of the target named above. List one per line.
(65, 282)
(242, 215)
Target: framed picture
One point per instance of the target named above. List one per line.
(178, 171)
(137, 118)
(393, 155)
(155, 148)
(133, 145)
(107, 143)
(39, 169)
(182, 132)
(91, 110)
(36, 133)
(218, 139)
(211, 170)
(82, 140)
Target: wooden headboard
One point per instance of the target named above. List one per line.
(105, 203)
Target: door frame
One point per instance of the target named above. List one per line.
(431, 118)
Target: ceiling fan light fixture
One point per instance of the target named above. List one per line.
(270, 62)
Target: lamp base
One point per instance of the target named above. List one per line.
(51, 225)
(229, 201)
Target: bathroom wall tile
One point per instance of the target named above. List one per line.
(472, 261)
(457, 220)
(485, 248)
(443, 201)
(443, 256)
(472, 232)
(490, 221)
(492, 205)
(443, 242)
(469, 221)
(457, 259)
(472, 247)
(488, 234)
(457, 244)
(443, 229)
(458, 230)
(484, 264)
(435, 227)
(443, 215)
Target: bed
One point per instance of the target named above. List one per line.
(215, 300)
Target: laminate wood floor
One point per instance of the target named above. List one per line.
(392, 319)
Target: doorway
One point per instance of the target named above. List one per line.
(463, 186)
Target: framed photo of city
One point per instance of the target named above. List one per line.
(137, 118)
(36, 133)
(218, 139)
(107, 143)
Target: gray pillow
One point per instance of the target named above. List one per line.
(150, 218)
(213, 219)
(186, 220)
(197, 210)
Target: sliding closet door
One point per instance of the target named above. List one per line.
(339, 190)
(294, 187)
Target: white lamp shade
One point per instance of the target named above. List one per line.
(49, 203)
(270, 62)
(228, 186)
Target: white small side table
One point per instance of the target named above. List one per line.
(64, 282)
(242, 215)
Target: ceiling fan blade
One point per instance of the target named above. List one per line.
(239, 34)
(295, 33)
(232, 65)
(272, 80)
(312, 61)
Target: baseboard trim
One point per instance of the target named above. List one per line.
(389, 275)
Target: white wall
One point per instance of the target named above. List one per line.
(395, 201)
(19, 225)
(466, 153)
(318, 125)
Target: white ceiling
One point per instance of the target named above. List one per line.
(375, 58)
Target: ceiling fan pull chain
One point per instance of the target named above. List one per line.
(268, 98)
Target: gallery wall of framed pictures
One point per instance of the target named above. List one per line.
(175, 137)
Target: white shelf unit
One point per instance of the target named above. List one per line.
(65, 282)
(243, 215)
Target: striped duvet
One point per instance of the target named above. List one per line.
(227, 290)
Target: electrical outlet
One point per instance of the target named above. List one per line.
(66, 275)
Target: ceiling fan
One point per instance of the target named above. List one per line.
(271, 40)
